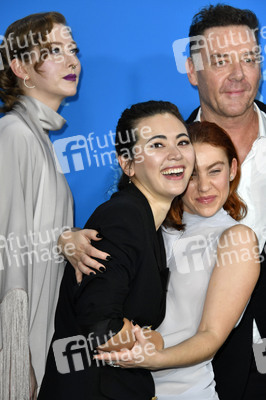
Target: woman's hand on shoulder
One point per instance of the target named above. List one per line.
(76, 247)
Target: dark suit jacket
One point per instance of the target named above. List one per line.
(133, 286)
(232, 363)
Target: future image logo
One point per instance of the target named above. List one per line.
(180, 48)
(71, 354)
(218, 50)
(259, 350)
(27, 51)
(72, 154)
(192, 254)
(78, 153)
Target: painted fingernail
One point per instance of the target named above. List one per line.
(102, 269)
(99, 236)
(92, 273)
(108, 258)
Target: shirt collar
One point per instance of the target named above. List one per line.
(261, 118)
(262, 121)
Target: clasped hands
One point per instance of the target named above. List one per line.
(75, 245)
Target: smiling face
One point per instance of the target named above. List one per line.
(209, 186)
(164, 157)
(58, 75)
(229, 80)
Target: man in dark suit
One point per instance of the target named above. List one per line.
(227, 78)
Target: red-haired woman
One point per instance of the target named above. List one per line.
(40, 68)
(214, 264)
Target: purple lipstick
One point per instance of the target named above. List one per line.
(70, 77)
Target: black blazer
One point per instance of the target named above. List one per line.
(133, 286)
(232, 363)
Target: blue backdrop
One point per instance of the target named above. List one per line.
(127, 56)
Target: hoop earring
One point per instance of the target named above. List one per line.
(25, 84)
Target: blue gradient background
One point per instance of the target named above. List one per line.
(127, 56)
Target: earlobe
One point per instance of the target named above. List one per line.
(233, 169)
(17, 68)
(191, 73)
(126, 165)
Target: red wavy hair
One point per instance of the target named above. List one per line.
(210, 133)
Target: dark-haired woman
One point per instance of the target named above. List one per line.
(40, 69)
(214, 266)
(156, 156)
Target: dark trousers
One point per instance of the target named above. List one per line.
(236, 375)
(256, 384)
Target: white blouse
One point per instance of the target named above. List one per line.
(191, 257)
